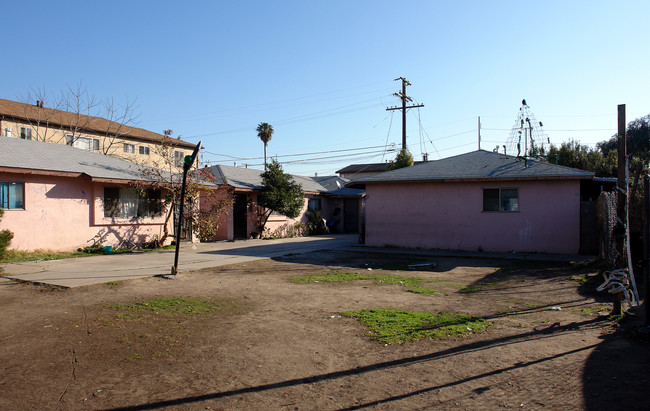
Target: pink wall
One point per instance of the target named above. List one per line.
(450, 216)
(225, 219)
(63, 213)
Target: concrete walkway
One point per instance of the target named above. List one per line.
(76, 272)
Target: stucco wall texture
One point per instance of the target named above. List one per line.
(63, 213)
(450, 216)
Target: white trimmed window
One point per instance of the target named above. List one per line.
(129, 148)
(144, 150)
(179, 156)
(26, 133)
(84, 143)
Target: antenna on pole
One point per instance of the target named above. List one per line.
(402, 96)
(528, 128)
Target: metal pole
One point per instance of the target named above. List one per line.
(621, 193)
(188, 161)
(646, 251)
(180, 220)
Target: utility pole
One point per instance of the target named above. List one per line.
(621, 209)
(402, 95)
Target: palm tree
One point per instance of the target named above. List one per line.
(265, 132)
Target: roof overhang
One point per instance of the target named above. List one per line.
(31, 171)
(358, 184)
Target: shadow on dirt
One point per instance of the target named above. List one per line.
(386, 261)
(508, 274)
(617, 372)
(538, 334)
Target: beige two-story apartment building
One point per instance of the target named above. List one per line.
(38, 122)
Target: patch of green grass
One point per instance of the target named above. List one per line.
(592, 311)
(170, 306)
(388, 325)
(337, 276)
(423, 290)
(164, 247)
(579, 278)
(15, 256)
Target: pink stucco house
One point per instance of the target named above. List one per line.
(340, 206)
(59, 197)
(476, 201)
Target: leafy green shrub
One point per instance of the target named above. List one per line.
(298, 229)
(5, 237)
(317, 224)
(152, 244)
(92, 249)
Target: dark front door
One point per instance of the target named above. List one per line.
(240, 217)
(350, 215)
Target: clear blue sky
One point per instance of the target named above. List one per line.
(322, 73)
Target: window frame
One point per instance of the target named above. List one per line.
(92, 144)
(179, 158)
(502, 206)
(128, 148)
(318, 201)
(5, 195)
(129, 203)
(26, 133)
(144, 150)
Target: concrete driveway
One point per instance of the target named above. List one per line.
(75, 272)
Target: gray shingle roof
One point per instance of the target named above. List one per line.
(37, 155)
(476, 165)
(366, 168)
(370, 167)
(251, 179)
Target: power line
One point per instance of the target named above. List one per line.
(305, 117)
(260, 107)
(297, 155)
(316, 160)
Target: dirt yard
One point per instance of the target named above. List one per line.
(279, 345)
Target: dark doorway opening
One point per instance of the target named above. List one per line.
(351, 215)
(240, 217)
